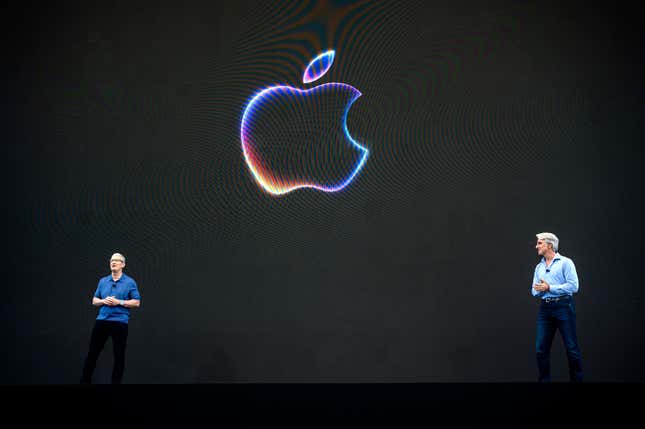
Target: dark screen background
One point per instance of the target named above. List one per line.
(486, 124)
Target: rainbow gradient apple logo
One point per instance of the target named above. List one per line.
(299, 152)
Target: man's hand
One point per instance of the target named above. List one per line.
(111, 301)
(542, 286)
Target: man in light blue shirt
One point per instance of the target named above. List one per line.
(555, 281)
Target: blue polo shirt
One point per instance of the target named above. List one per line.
(560, 275)
(125, 288)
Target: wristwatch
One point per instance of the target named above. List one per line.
(121, 302)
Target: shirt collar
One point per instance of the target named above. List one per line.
(555, 258)
(123, 277)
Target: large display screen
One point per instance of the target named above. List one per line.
(322, 191)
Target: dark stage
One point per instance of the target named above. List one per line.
(313, 405)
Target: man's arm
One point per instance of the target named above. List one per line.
(109, 301)
(536, 281)
(97, 302)
(135, 297)
(96, 299)
(131, 303)
(570, 285)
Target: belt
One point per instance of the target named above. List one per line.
(557, 298)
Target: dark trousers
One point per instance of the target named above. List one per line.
(100, 333)
(559, 315)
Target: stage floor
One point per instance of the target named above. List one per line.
(310, 405)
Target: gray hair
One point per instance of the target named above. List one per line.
(549, 238)
(120, 255)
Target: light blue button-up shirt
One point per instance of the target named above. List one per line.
(560, 275)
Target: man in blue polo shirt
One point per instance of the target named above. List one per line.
(555, 281)
(115, 295)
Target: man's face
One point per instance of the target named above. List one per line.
(116, 262)
(542, 247)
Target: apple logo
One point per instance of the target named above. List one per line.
(297, 138)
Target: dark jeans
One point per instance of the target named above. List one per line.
(559, 315)
(100, 333)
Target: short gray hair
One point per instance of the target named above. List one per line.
(549, 237)
(122, 257)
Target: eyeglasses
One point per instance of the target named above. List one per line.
(116, 260)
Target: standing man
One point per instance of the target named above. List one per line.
(116, 294)
(554, 282)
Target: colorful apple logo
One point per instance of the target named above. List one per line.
(310, 146)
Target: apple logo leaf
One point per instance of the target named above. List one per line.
(318, 66)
